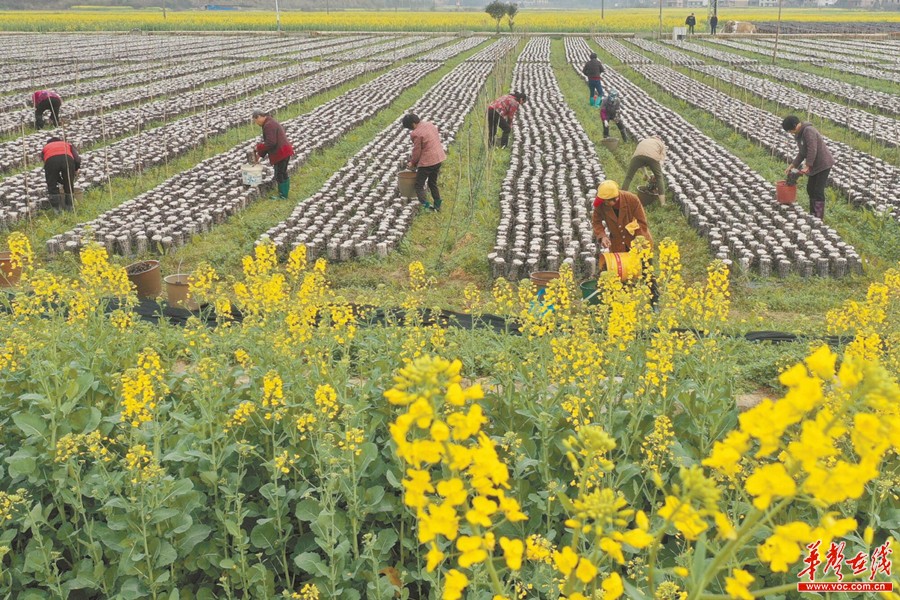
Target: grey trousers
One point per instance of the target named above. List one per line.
(638, 162)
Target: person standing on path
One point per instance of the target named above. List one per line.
(713, 23)
(593, 70)
(42, 101)
(610, 110)
(61, 164)
(275, 145)
(427, 156)
(501, 113)
(650, 152)
(690, 22)
(812, 149)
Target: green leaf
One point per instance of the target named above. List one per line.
(308, 510)
(264, 536)
(166, 554)
(85, 419)
(374, 495)
(311, 563)
(226, 563)
(30, 424)
(22, 463)
(196, 534)
(392, 479)
(384, 542)
(232, 528)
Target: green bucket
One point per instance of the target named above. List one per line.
(587, 291)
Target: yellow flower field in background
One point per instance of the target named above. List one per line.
(527, 21)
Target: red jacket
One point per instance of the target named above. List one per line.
(41, 95)
(60, 148)
(507, 106)
(275, 143)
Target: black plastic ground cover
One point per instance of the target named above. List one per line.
(154, 312)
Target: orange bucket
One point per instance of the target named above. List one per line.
(784, 193)
(9, 275)
(625, 265)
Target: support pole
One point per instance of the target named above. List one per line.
(777, 33)
(277, 17)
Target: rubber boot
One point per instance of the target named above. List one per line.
(818, 209)
(436, 207)
(605, 131)
(68, 202)
(284, 188)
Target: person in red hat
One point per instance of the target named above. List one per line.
(61, 164)
(275, 145)
(42, 101)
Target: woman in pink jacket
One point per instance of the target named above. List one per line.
(427, 157)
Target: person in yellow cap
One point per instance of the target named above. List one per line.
(623, 214)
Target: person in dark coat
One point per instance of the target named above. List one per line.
(593, 70)
(690, 22)
(42, 101)
(713, 23)
(610, 110)
(275, 145)
(811, 149)
(427, 157)
(501, 113)
(61, 164)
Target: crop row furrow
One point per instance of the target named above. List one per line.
(545, 198)
(727, 202)
(23, 193)
(885, 130)
(358, 212)
(864, 178)
(97, 128)
(854, 94)
(197, 199)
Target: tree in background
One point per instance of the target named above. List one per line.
(497, 10)
(512, 9)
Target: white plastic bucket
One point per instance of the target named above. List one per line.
(252, 175)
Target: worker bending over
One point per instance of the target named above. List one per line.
(501, 113)
(650, 152)
(275, 145)
(624, 217)
(61, 164)
(42, 101)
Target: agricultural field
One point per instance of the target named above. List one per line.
(614, 20)
(343, 395)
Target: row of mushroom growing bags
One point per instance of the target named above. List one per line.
(359, 211)
(22, 194)
(865, 179)
(194, 201)
(728, 203)
(545, 198)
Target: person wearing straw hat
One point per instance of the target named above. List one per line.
(42, 101)
(622, 214)
(61, 164)
(275, 145)
(427, 157)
